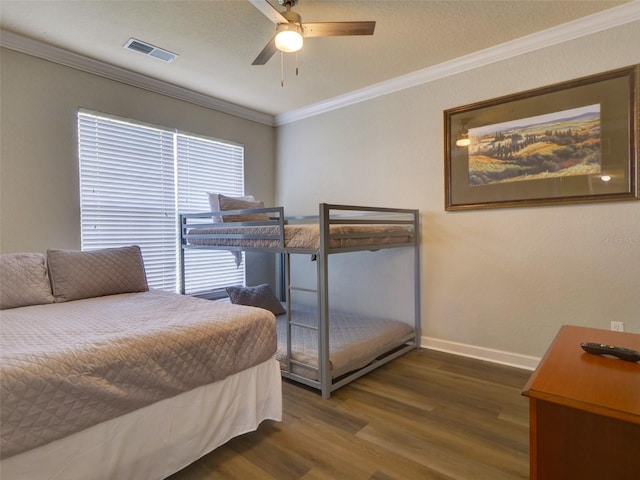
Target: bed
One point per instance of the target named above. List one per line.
(312, 346)
(102, 384)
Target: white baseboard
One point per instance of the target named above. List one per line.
(517, 360)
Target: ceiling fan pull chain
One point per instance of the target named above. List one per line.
(282, 69)
(296, 64)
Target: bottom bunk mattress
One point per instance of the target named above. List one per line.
(68, 366)
(355, 340)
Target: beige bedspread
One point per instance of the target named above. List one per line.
(67, 366)
(303, 236)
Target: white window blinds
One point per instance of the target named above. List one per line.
(197, 176)
(134, 179)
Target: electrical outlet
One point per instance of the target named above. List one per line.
(617, 326)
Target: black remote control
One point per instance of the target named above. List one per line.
(603, 349)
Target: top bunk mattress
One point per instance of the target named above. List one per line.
(68, 366)
(300, 236)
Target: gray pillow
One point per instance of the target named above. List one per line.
(260, 296)
(231, 203)
(96, 273)
(24, 280)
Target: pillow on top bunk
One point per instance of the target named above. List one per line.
(231, 203)
(214, 203)
(96, 273)
(24, 280)
(260, 296)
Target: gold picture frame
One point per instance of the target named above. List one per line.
(572, 142)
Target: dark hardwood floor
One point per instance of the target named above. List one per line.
(425, 415)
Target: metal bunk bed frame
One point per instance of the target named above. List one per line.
(326, 384)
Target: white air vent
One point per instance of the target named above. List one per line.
(150, 50)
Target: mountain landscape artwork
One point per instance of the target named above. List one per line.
(557, 144)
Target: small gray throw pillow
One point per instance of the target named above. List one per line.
(260, 296)
(96, 273)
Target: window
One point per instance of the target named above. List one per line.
(134, 179)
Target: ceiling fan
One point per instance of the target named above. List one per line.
(290, 30)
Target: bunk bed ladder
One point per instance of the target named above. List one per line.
(289, 288)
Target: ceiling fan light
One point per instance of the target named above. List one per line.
(288, 38)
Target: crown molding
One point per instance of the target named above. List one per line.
(29, 46)
(611, 18)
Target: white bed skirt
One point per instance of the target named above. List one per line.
(160, 439)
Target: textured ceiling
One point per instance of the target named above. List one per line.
(218, 39)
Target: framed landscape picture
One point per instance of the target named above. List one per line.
(572, 142)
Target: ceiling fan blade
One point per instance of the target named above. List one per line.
(271, 13)
(333, 29)
(266, 53)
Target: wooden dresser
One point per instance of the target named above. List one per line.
(585, 410)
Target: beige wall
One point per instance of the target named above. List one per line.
(493, 282)
(39, 201)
